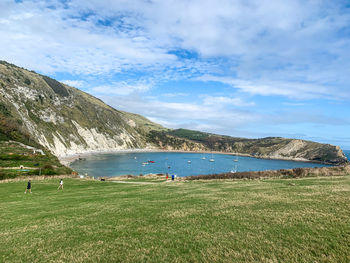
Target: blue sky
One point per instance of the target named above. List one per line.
(251, 68)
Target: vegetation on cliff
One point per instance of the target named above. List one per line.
(17, 159)
(270, 147)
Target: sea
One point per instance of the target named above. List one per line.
(181, 164)
(347, 154)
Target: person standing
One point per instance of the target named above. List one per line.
(29, 187)
(61, 185)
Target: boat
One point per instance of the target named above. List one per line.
(151, 161)
(211, 159)
(234, 170)
(236, 160)
(203, 158)
(189, 162)
(144, 163)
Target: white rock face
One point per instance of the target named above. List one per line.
(93, 141)
(26, 92)
(291, 147)
(48, 115)
(131, 123)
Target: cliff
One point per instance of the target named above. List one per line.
(63, 119)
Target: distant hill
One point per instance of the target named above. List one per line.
(40, 111)
(268, 148)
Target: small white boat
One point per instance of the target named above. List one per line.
(236, 160)
(211, 159)
(144, 163)
(234, 170)
(188, 161)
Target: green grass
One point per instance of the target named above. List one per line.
(276, 220)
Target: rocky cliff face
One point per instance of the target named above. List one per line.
(269, 148)
(65, 120)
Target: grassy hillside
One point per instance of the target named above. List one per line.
(13, 155)
(270, 147)
(288, 220)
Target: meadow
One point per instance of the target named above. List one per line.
(271, 220)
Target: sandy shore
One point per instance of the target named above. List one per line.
(68, 159)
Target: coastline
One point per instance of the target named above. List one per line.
(67, 160)
(70, 158)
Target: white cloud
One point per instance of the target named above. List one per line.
(238, 102)
(297, 41)
(293, 90)
(175, 94)
(60, 42)
(224, 120)
(189, 115)
(74, 83)
(121, 88)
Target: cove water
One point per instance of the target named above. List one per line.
(347, 154)
(181, 164)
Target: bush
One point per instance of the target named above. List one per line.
(48, 172)
(13, 157)
(27, 81)
(4, 175)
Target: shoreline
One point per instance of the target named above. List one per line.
(67, 160)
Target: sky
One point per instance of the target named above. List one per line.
(247, 68)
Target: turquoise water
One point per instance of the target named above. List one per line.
(176, 163)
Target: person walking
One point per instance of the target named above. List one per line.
(61, 185)
(29, 187)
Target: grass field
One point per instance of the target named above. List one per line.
(275, 220)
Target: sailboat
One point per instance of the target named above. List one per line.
(203, 158)
(211, 159)
(234, 170)
(236, 160)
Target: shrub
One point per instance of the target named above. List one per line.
(27, 81)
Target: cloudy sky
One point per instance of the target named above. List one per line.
(249, 68)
